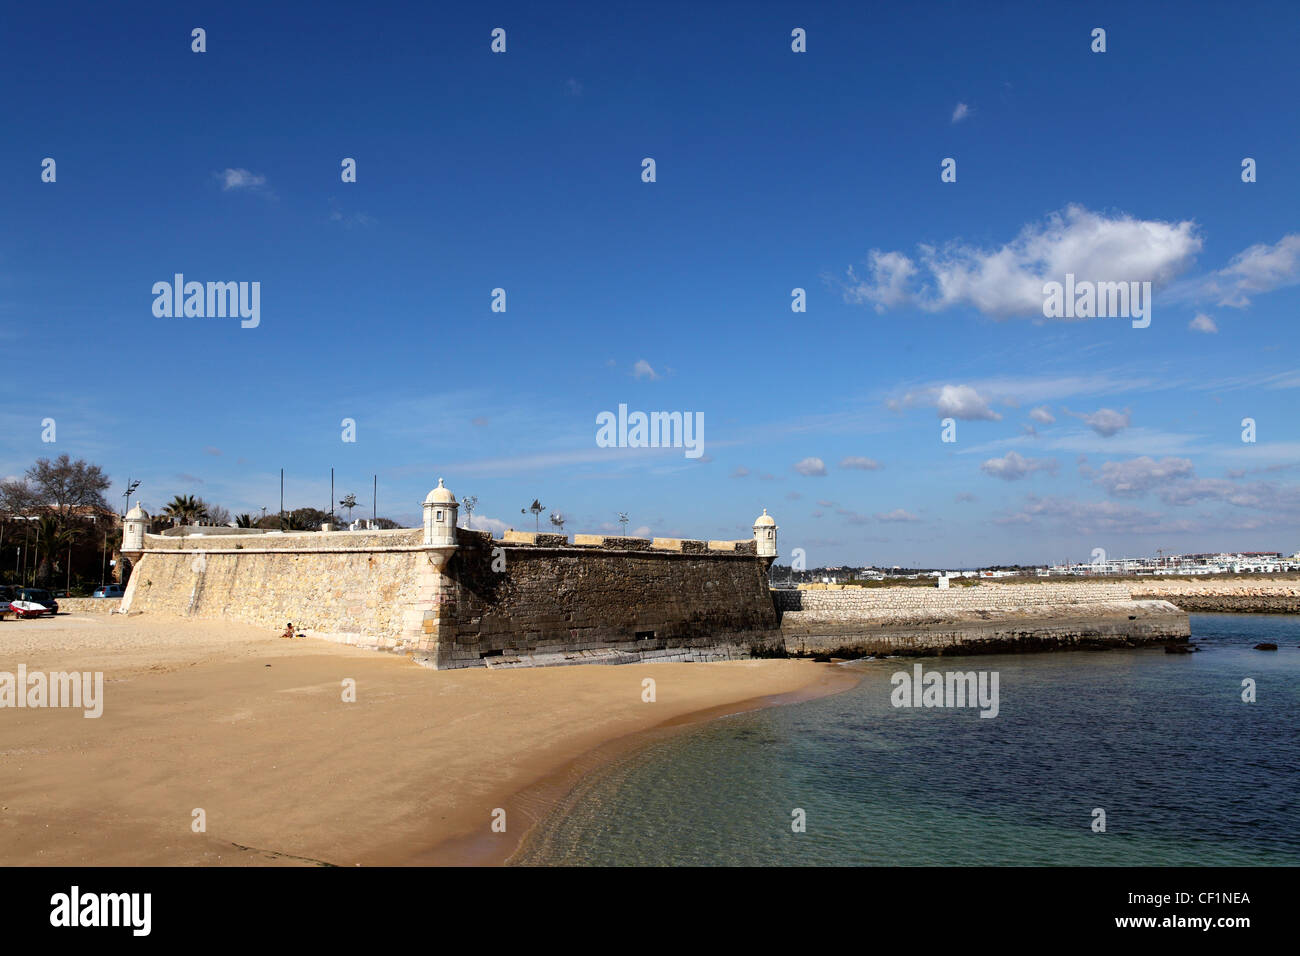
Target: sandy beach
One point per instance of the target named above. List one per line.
(253, 731)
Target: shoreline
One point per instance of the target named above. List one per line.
(252, 730)
(545, 794)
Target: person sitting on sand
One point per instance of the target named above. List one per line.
(288, 631)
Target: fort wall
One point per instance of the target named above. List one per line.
(529, 599)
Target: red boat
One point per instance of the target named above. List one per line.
(29, 609)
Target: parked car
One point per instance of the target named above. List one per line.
(109, 591)
(38, 596)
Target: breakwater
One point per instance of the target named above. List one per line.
(989, 618)
(1225, 595)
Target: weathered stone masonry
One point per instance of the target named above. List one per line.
(456, 598)
(982, 619)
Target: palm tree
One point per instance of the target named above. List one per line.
(186, 509)
(244, 521)
(292, 522)
(47, 545)
(348, 501)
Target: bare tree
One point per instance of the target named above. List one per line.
(63, 485)
(216, 514)
(18, 498)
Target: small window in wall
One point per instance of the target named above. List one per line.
(769, 534)
(438, 517)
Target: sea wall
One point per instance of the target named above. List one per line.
(913, 603)
(541, 600)
(1226, 595)
(984, 619)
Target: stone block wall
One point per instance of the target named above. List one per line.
(902, 604)
(1247, 594)
(616, 594)
(356, 587)
(89, 605)
(531, 596)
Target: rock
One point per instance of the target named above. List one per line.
(1265, 647)
(1181, 648)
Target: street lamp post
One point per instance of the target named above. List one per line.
(131, 486)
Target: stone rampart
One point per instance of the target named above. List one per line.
(533, 598)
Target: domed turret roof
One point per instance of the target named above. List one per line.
(764, 520)
(137, 513)
(440, 496)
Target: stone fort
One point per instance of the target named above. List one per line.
(452, 597)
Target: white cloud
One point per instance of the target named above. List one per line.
(1261, 268)
(955, 401)
(1083, 517)
(740, 472)
(240, 179)
(897, 515)
(960, 113)
(1203, 323)
(1105, 421)
(813, 467)
(1008, 281)
(484, 523)
(860, 464)
(1128, 479)
(1013, 467)
(642, 369)
(1042, 415)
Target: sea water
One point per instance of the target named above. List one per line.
(1181, 768)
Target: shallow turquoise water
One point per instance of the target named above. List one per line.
(1186, 772)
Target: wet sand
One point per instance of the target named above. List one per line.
(253, 731)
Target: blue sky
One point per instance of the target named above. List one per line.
(775, 170)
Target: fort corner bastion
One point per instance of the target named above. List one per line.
(451, 597)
